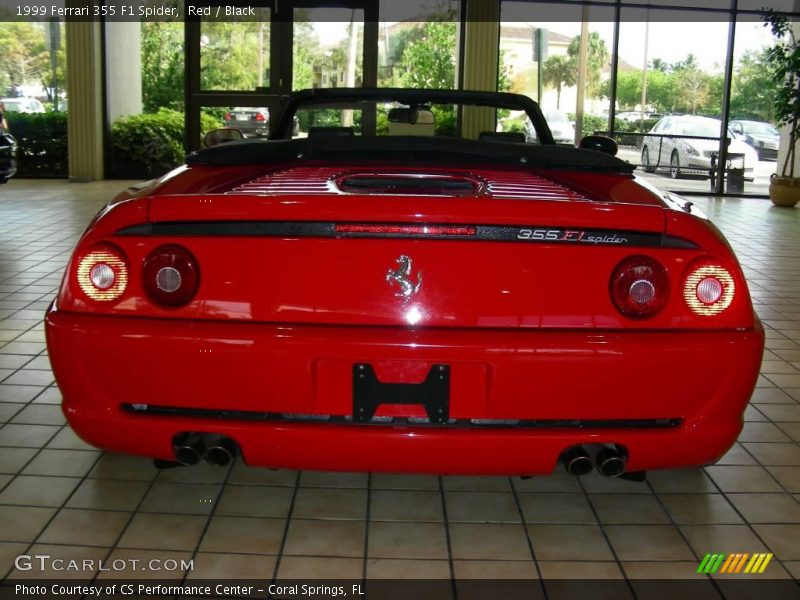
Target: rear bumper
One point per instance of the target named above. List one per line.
(703, 379)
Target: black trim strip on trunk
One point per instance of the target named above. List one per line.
(542, 234)
(248, 415)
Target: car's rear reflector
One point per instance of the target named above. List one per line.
(708, 289)
(171, 275)
(421, 230)
(102, 272)
(639, 287)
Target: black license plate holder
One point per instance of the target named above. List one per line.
(433, 394)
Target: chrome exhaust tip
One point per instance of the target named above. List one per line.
(577, 461)
(190, 449)
(221, 452)
(609, 462)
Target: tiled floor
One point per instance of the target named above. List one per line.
(61, 497)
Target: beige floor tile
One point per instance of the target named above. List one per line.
(792, 430)
(594, 482)
(456, 483)
(123, 466)
(700, 509)
(72, 463)
(788, 477)
(23, 523)
(66, 439)
(783, 540)
(138, 561)
(404, 569)
(19, 393)
(558, 481)
(163, 532)
(767, 508)
(407, 540)
(556, 508)
(40, 414)
(762, 432)
(648, 542)
(13, 460)
(55, 570)
(775, 454)
(243, 534)
(794, 568)
(200, 473)
(663, 570)
(391, 481)
(406, 505)
(580, 570)
(85, 528)
(27, 436)
(38, 491)
(243, 474)
(9, 551)
(333, 480)
(490, 541)
(569, 543)
(295, 568)
(628, 508)
(753, 415)
(737, 455)
(681, 481)
(330, 503)
(743, 479)
(781, 412)
(325, 538)
(182, 498)
(108, 494)
(481, 507)
(255, 501)
(496, 570)
(231, 566)
(8, 410)
(713, 538)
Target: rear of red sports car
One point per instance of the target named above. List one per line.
(342, 307)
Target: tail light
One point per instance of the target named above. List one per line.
(708, 288)
(103, 272)
(228, 116)
(639, 287)
(260, 117)
(171, 275)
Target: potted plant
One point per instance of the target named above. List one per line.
(784, 60)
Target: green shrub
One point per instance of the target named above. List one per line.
(42, 140)
(591, 123)
(149, 145)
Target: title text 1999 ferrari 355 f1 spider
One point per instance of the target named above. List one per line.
(383, 293)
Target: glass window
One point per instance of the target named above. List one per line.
(234, 55)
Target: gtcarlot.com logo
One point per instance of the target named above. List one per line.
(734, 563)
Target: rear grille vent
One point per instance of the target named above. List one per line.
(528, 186)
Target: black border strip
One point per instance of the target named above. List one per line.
(542, 234)
(249, 415)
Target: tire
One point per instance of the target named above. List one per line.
(648, 168)
(675, 165)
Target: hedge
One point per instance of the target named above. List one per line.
(42, 140)
(149, 145)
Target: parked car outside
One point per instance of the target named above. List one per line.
(250, 120)
(563, 130)
(687, 145)
(22, 105)
(763, 137)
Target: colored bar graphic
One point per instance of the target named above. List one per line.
(734, 563)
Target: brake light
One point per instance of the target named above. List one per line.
(639, 287)
(171, 275)
(103, 272)
(260, 117)
(708, 289)
(422, 230)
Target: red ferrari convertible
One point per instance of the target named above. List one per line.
(393, 290)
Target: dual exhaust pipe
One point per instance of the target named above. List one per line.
(580, 460)
(215, 448)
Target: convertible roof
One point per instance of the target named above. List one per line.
(407, 150)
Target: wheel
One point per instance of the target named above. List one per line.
(648, 168)
(674, 165)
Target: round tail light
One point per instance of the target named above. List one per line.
(708, 289)
(171, 275)
(103, 272)
(639, 287)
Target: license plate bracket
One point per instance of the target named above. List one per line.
(433, 394)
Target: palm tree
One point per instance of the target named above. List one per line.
(559, 72)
